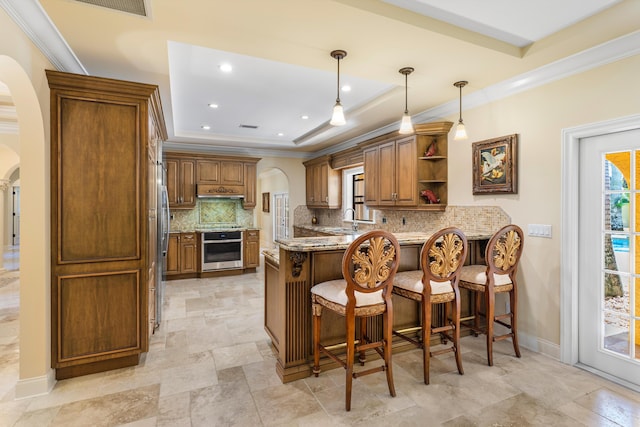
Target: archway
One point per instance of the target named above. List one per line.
(272, 182)
(36, 376)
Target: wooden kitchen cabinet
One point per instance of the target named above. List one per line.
(103, 220)
(181, 188)
(188, 253)
(251, 248)
(222, 172)
(323, 184)
(397, 169)
(201, 175)
(182, 255)
(172, 261)
(250, 180)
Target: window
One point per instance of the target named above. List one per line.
(353, 195)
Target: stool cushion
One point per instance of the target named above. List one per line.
(412, 281)
(477, 274)
(335, 291)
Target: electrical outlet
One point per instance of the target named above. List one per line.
(384, 219)
(539, 230)
(404, 221)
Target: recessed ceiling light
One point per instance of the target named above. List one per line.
(226, 68)
(205, 127)
(346, 88)
(213, 105)
(304, 117)
(280, 134)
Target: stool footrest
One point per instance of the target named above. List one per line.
(442, 351)
(369, 371)
(502, 337)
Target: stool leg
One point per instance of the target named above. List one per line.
(387, 321)
(456, 332)
(490, 310)
(513, 296)
(351, 337)
(362, 358)
(426, 337)
(317, 313)
(476, 319)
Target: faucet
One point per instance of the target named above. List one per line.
(354, 224)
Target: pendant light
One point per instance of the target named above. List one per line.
(461, 132)
(337, 118)
(405, 125)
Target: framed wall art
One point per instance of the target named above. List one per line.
(495, 165)
(265, 202)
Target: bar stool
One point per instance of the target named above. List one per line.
(502, 256)
(368, 268)
(441, 260)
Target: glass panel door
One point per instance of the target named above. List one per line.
(617, 248)
(281, 217)
(608, 298)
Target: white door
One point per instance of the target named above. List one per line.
(609, 285)
(281, 216)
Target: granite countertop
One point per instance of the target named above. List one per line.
(272, 255)
(336, 231)
(314, 244)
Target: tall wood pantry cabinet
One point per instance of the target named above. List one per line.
(103, 220)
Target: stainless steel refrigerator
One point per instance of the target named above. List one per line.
(163, 240)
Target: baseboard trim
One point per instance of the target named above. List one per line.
(539, 345)
(36, 386)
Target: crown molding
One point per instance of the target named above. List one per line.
(36, 24)
(237, 151)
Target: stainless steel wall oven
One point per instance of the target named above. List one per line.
(221, 250)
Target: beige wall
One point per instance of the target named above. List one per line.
(538, 116)
(22, 70)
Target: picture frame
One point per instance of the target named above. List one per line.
(265, 202)
(495, 165)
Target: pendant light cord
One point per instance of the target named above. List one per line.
(406, 102)
(460, 117)
(338, 88)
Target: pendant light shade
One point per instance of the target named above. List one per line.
(337, 118)
(405, 125)
(461, 132)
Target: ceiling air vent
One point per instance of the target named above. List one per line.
(249, 126)
(129, 6)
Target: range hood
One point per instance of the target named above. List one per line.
(220, 191)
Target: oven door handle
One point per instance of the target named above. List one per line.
(222, 241)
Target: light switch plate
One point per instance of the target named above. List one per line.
(539, 230)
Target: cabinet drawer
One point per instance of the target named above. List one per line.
(252, 234)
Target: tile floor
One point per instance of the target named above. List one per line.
(210, 364)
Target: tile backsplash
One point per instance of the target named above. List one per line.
(211, 213)
(469, 218)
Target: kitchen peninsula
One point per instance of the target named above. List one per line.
(300, 263)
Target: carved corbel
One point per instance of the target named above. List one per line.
(297, 259)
